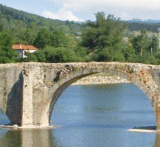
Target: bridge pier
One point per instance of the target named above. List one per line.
(27, 102)
(157, 113)
(158, 119)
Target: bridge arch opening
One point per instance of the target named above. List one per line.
(119, 105)
(67, 83)
(4, 118)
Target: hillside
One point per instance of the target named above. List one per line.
(8, 15)
(106, 39)
(137, 26)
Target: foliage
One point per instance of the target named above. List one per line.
(42, 38)
(53, 55)
(58, 39)
(142, 26)
(154, 45)
(129, 53)
(105, 38)
(31, 58)
(82, 53)
(143, 44)
(68, 41)
(140, 43)
(7, 54)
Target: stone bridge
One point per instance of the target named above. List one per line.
(29, 91)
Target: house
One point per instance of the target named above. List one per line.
(21, 49)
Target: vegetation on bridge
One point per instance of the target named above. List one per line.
(106, 39)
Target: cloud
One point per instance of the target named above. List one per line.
(83, 4)
(63, 14)
(125, 9)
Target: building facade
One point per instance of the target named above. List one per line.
(22, 49)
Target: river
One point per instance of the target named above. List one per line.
(91, 116)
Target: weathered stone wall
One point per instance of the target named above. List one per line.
(100, 80)
(50, 80)
(11, 91)
(29, 91)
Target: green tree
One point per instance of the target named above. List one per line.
(154, 45)
(82, 53)
(29, 36)
(146, 48)
(30, 33)
(7, 54)
(141, 43)
(61, 54)
(40, 55)
(43, 38)
(53, 55)
(129, 53)
(103, 33)
(58, 39)
(105, 38)
(31, 57)
(19, 32)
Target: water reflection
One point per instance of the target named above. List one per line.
(28, 138)
(76, 136)
(89, 116)
(157, 142)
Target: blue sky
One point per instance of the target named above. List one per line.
(82, 10)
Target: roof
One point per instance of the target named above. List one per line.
(23, 47)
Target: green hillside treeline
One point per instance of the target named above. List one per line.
(106, 39)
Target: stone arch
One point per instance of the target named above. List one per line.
(65, 81)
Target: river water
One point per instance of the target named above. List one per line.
(91, 116)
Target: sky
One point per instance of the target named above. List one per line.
(83, 10)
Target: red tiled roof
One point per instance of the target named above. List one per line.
(23, 47)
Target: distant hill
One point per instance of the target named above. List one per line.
(138, 24)
(10, 16)
(151, 21)
(148, 21)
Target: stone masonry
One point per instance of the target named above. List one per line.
(29, 91)
(96, 79)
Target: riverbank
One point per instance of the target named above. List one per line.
(146, 129)
(16, 127)
(100, 79)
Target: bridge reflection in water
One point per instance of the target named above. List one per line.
(39, 138)
(83, 124)
(157, 142)
(28, 138)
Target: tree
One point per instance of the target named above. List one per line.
(129, 53)
(154, 45)
(7, 54)
(53, 55)
(82, 53)
(105, 38)
(58, 39)
(19, 32)
(141, 43)
(42, 38)
(30, 33)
